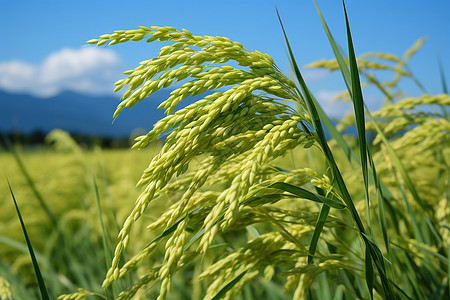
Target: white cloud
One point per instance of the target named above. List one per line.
(315, 74)
(310, 75)
(334, 109)
(85, 70)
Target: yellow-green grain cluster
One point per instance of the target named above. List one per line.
(224, 226)
(5, 289)
(237, 129)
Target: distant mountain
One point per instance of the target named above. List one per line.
(83, 114)
(79, 113)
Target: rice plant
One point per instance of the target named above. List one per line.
(247, 199)
(239, 217)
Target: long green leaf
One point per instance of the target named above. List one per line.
(228, 286)
(443, 80)
(372, 247)
(324, 211)
(381, 199)
(444, 88)
(358, 104)
(317, 231)
(349, 153)
(321, 138)
(106, 246)
(107, 249)
(369, 271)
(382, 190)
(302, 193)
(37, 271)
(337, 52)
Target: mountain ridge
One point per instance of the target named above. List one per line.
(84, 114)
(79, 113)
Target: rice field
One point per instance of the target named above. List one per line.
(244, 198)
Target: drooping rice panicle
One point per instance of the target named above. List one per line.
(217, 174)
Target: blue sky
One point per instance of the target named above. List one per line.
(41, 41)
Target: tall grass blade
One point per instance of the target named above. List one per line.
(317, 231)
(346, 75)
(302, 193)
(358, 104)
(106, 246)
(369, 271)
(378, 260)
(372, 247)
(349, 153)
(443, 79)
(382, 190)
(347, 79)
(381, 199)
(37, 271)
(337, 51)
(321, 137)
(324, 211)
(107, 249)
(227, 287)
(448, 269)
(444, 87)
(328, 154)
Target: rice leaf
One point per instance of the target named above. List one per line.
(317, 230)
(349, 153)
(164, 233)
(346, 75)
(382, 190)
(381, 199)
(107, 249)
(321, 136)
(302, 193)
(37, 271)
(228, 286)
(448, 268)
(444, 87)
(443, 79)
(337, 51)
(349, 81)
(378, 259)
(358, 104)
(106, 246)
(369, 271)
(195, 238)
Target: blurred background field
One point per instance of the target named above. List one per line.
(71, 252)
(65, 180)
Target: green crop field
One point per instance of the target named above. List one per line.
(244, 197)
